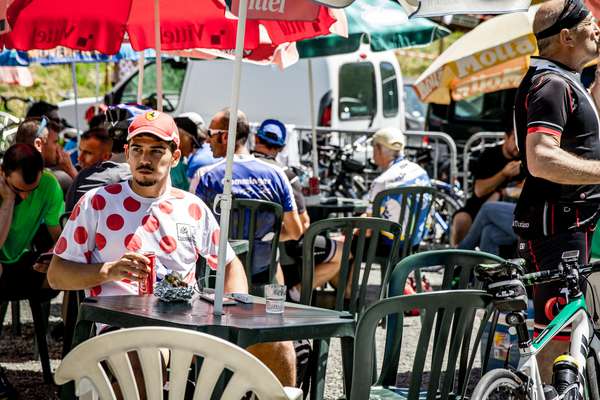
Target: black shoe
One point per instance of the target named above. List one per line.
(57, 332)
(7, 391)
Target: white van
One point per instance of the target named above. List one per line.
(353, 91)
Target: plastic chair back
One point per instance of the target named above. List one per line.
(448, 311)
(457, 267)
(248, 216)
(417, 205)
(356, 229)
(83, 365)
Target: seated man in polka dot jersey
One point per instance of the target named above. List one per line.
(100, 249)
(101, 245)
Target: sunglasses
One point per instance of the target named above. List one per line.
(215, 132)
(42, 126)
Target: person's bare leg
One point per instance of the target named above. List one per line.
(546, 357)
(460, 227)
(279, 275)
(280, 358)
(326, 271)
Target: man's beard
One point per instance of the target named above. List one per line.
(146, 183)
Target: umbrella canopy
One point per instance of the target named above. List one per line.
(493, 56)
(431, 8)
(103, 25)
(383, 22)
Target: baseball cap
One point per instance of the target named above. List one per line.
(392, 138)
(155, 123)
(273, 132)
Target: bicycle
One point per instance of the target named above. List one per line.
(506, 282)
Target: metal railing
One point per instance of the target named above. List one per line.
(342, 137)
(477, 143)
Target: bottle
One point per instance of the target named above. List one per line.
(565, 375)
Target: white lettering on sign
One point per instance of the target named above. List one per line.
(506, 80)
(496, 55)
(267, 5)
(429, 84)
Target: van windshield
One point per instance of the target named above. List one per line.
(357, 94)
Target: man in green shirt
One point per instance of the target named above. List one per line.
(29, 197)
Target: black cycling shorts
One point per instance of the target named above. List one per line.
(323, 250)
(545, 254)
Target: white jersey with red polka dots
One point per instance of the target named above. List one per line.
(113, 220)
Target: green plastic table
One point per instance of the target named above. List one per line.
(242, 324)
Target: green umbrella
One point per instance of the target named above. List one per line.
(384, 22)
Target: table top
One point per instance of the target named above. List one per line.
(251, 319)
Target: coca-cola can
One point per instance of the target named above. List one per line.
(147, 285)
(313, 184)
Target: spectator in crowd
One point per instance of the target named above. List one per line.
(42, 134)
(114, 170)
(492, 228)
(270, 140)
(30, 197)
(188, 132)
(495, 169)
(203, 155)
(95, 146)
(253, 178)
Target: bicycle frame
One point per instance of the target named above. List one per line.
(574, 314)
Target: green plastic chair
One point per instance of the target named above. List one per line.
(363, 254)
(416, 200)
(245, 213)
(458, 268)
(445, 309)
(349, 227)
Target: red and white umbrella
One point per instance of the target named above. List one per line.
(172, 25)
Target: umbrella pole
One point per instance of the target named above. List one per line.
(74, 79)
(159, 88)
(141, 62)
(313, 120)
(225, 200)
(97, 89)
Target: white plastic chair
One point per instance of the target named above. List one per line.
(82, 364)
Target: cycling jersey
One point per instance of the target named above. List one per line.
(112, 220)
(552, 101)
(252, 179)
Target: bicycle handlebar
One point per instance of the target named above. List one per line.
(557, 274)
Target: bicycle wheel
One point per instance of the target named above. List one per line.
(500, 384)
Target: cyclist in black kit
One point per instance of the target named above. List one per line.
(557, 127)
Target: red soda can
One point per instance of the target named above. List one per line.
(147, 286)
(313, 184)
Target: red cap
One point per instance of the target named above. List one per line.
(155, 123)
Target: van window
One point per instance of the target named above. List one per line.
(482, 107)
(389, 89)
(173, 75)
(357, 91)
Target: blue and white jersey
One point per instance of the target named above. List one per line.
(252, 179)
(401, 173)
